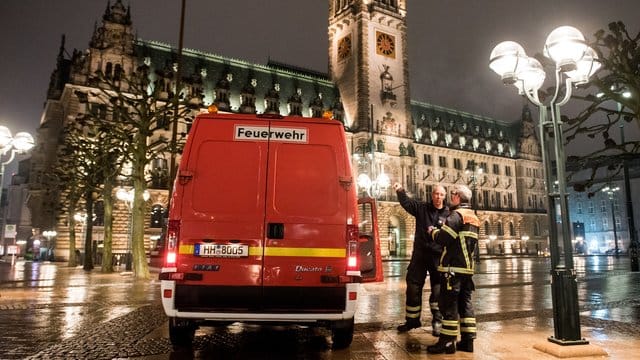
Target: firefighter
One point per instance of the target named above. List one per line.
(458, 237)
(424, 258)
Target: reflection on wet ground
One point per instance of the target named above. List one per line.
(52, 310)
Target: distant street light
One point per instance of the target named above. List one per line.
(369, 181)
(82, 219)
(9, 147)
(574, 62)
(610, 191)
(127, 196)
(525, 238)
(376, 187)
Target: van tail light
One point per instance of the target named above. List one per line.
(173, 233)
(170, 259)
(352, 248)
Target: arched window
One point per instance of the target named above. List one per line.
(486, 228)
(500, 229)
(108, 71)
(536, 228)
(512, 229)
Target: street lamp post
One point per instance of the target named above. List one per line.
(127, 196)
(633, 237)
(610, 191)
(574, 62)
(474, 172)
(9, 147)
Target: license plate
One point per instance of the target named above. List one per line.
(221, 250)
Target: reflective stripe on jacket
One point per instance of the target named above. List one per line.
(458, 237)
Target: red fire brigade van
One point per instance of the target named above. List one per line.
(263, 227)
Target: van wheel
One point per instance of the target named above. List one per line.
(342, 333)
(181, 332)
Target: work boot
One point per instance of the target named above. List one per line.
(409, 324)
(446, 344)
(436, 326)
(466, 343)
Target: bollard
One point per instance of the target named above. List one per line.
(633, 257)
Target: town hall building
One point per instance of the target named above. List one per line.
(392, 137)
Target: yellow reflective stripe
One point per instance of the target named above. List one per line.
(450, 231)
(450, 323)
(185, 249)
(468, 320)
(455, 269)
(412, 315)
(448, 332)
(468, 329)
(470, 234)
(283, 251)
(306, 252)
(414, 308)
(444, 253)
(465, 253)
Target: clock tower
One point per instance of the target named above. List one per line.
(368, 62)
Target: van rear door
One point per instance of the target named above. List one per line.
(222, 216)
(305, 216)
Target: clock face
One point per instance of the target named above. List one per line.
(344, 47)
(385, 44)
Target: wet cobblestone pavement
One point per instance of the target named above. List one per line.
(50, 311)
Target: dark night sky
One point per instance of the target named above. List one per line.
(449, 41)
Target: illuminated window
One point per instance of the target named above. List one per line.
(157, 216)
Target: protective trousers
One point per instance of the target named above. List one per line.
(456, 305)
(423, 261)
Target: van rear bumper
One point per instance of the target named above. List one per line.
(259, 299)
(200, 305)
(261, 317)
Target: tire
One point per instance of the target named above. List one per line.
(342, 333)
(181, 332)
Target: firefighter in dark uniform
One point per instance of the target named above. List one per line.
(458, 237)
(424, 258)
